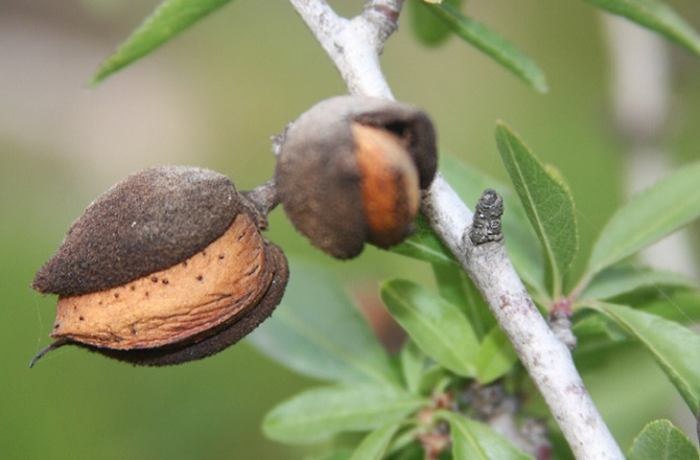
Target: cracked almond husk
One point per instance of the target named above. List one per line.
(351, 169)
(166, 267)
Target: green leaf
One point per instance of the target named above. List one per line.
(375, 444)
(660, 440)
(340, 454)
(656, 16)
(437, 326)
(411, 452)
(435, 379)
(451, 284)
(168, 20)
(674, 347)
(653, 214)
(547, 202)
(475, 441)
(596, 325)
(681, 307)
(624, 278)
(320, 413)
(429, 29)
(425, 245)
(455, 286)
(318, 332)
(521, 241)
(412, 365)
(492, 44)
(496, 356)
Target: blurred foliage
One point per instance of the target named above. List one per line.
(250, 69)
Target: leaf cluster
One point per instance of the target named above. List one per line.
(390, 402)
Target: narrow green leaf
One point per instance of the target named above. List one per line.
(682, 307)
(320, 413)
(435, 378)
(624, 278)
(437, 326)
(318, 332)
(413, 451)
(547, 202)
(653, 214)
(476, 441)
(168, 20)
(455, 286)
(599, 325)
(425, 245)
(656, 16)
(450, 284)
(404, 444)
(339, 454)
(496, 356)
(429, 29)
(521, 241)
(660, 440)
(492, 44)
(412, 365)
(674, 347)
(375, 444)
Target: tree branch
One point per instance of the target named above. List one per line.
(546, 358)
(354, 47)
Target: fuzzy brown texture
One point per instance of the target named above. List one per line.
(318, 181)
(318, 177)
(152, 220)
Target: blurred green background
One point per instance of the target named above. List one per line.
(212, 98)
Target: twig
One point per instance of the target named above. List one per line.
(354, 47)
(546, 358)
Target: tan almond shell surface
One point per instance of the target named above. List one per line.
(224, 280)
(390, 186)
